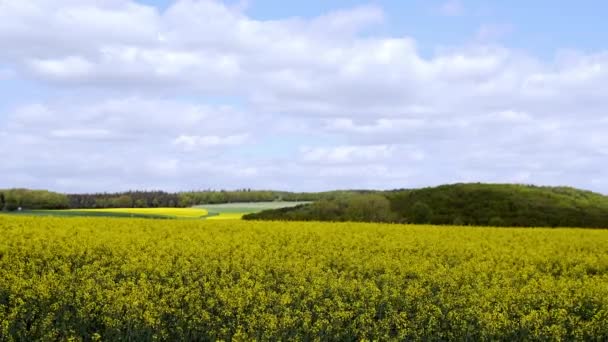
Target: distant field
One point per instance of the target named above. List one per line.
(225, 216)
(235, 211)
(227, 211)
(247, 207)
(157, 213)
(171, 212)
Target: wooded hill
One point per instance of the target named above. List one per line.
(460, 204)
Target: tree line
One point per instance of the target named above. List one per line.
(14, 199)
(500, 205)
(154, 199)
(129, 199)
(41, 199)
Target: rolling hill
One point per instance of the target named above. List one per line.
(461, 204)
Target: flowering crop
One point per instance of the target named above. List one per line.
(169, 212)
(135, 279)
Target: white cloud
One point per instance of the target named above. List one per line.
(347, 154)
(163, 167)
(192, 142)
(64, 68)
(510, 116)
(136, 87)
(34, 113)
(348, 21)
(80, 133)
(379, 126)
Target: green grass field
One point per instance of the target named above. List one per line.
(182, 280)
(248, 207)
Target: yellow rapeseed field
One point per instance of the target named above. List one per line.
(226, 216)
(172, 212)
(184, 280)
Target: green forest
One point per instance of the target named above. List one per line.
(502, 205)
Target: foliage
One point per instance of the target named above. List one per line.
(248, 195)
(138, 199)
(371, 208)
(13, 199)
(154, 199)
(466, 204)
(130, 279)
(421, 213)
(347, 207)
(506, 205)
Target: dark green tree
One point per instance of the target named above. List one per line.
(421, 213)
(11, 203)
(459, 221)
(124, 201)
(496, 221)
(369, 208)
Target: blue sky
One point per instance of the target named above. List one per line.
(541, 27)
(155, 94)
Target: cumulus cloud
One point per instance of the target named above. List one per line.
(79, 133)
(68, 67)
(192, 142)
(144, 97)
(347, 154)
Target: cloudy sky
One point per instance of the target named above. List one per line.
(108, 95)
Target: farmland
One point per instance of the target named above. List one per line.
(227, 211)
(237, 210)
(157, 213)
(133, 279)
(170, 212)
